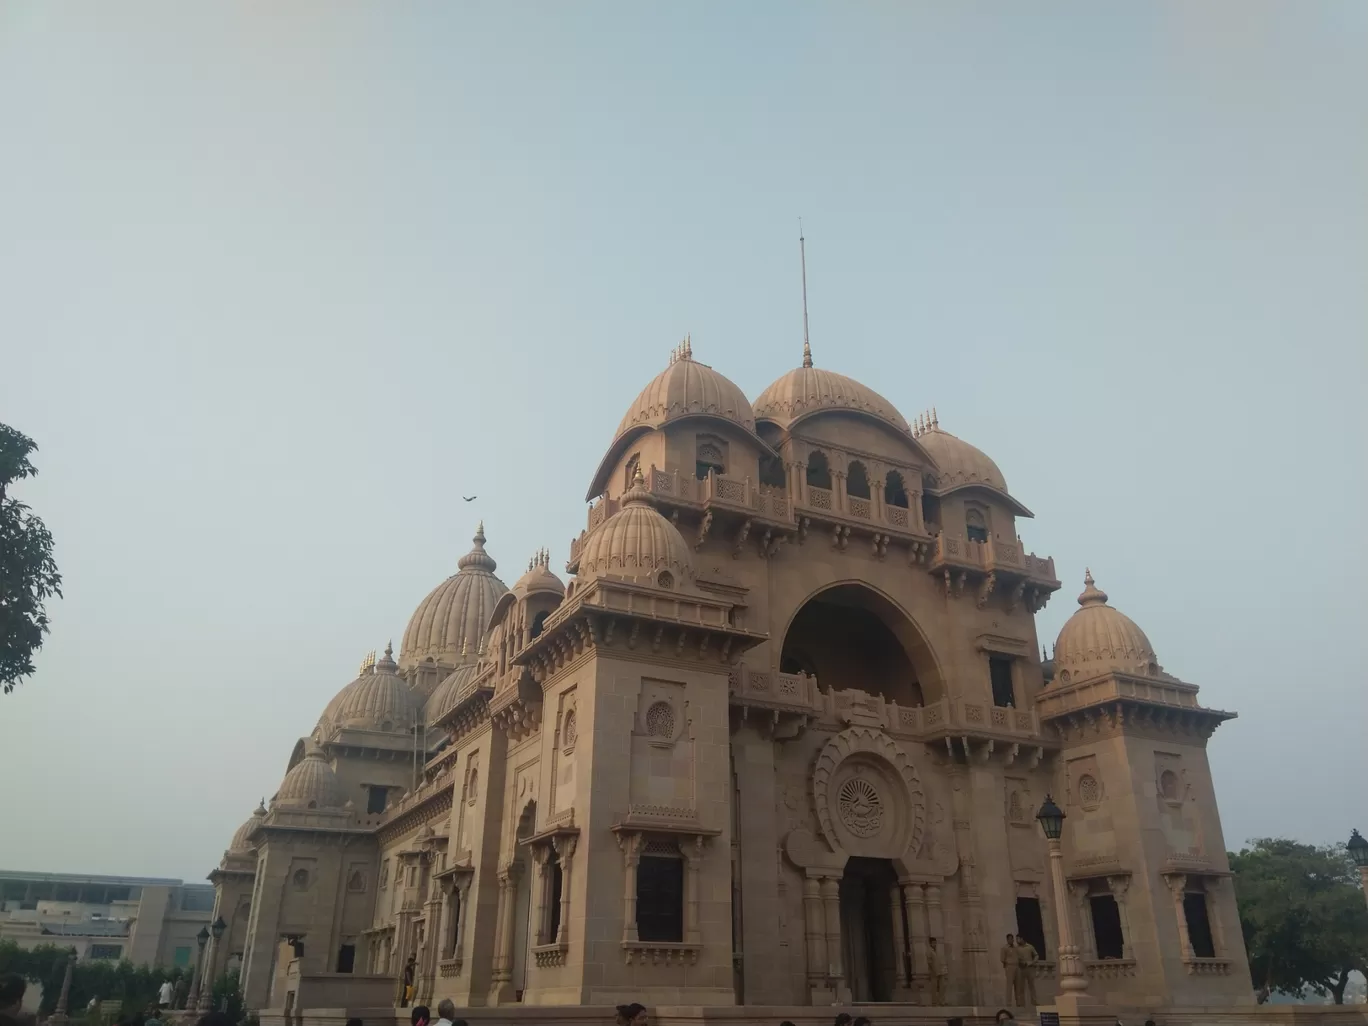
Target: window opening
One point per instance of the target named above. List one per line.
(375, 799)
(857, 480)
(1030, 923)
(346, 958)
(818, 470)
(1106, 923)
(660, 898)
(975, 527)
(709, 460)
(895, 492)
(1000, 675)
(1199, 925)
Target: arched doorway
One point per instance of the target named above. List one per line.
(870, 915)
(522, 901)
(850, 636)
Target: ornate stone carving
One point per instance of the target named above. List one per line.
(899, 826)
(660, 720)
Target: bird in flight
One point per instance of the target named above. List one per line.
(470, 498)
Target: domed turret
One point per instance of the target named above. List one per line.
(443, 699)
(378, 699)
(241, 842)
(449, 623)
(959, 464)
(685, 388)
(539, 579)
(1098, 639)
(638, 544)
(312, 784)
(809, 390)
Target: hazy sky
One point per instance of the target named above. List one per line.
(279, 283)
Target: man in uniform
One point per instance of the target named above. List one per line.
(1027, 956)
(935, 968)
(1010, 967)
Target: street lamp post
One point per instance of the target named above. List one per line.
(60, 1014)
(1072, 981)
(1358, 850)
(203, 938)
(206, 993)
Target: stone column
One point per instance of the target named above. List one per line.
(692, 850)
(902, 969)
(1072, 981)
(565, 848)
(914, 906)
(631, 852)
(503, 926)
(839, 500)
(1119, 886)
(1177, 885)
(831, 903)
(541, 859)
(1087, 943)
(814, 927)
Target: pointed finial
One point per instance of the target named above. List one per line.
(1087, 575)
(389, 649)
(465, 646)
(261, 807)
(1092, 594)
(935, 418)
(802, 257)
(688, 346)
(807, 353)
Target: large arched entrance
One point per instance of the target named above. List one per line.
(870, 915)
(851, 636)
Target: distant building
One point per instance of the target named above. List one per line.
(147, 920)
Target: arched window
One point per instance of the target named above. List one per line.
(772, 473)
(818, 470)
(629, 474)
(975, 526)
(895, 492)
(710, 458)
(857, 480)
(931, 508)
(551, 898)
(538, 623)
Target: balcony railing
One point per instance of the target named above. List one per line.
(992, 554)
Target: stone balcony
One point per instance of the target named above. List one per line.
(846, 513)
(994, 564)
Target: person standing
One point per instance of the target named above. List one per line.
(1027, 956)
(1010, 967)
(936, 970)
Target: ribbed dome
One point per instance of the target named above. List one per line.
(687, 389)
(807, 390)
(637, 543)
(451, 621)
(241, 841)
(957, 462)
(379, 699)
(1098, 638)
(539, 579)
(312, 784)
(444, 696)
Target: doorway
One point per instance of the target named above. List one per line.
(868, 918)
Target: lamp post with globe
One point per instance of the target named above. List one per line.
(1358, 851)
(202, 938)
(206, 992)
(1071, 978)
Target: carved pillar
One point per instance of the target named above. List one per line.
(831, 902)
(504, 931)
(692, 850)
(915, 509)
(631, 853)
(541, 858)
(902, 969)
(838, 486)
(1119, 886)
(1082, 911)
(914, 906)
(815, 927)
(1177, 885)
(463, 913)
(565, 848)
(935, 927)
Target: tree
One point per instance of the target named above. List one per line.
(1303, 915)
(28, 573)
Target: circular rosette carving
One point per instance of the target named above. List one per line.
(868, 797)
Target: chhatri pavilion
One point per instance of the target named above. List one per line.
(783, 722)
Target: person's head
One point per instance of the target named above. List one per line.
(1003, 1015)
(1149, 1022)
(1020, 939)
(932, 942)
(152, 1010)
(633, 1015)
(12, 987)
(420, 1015)
(861, 1021)
(844, 1019)
(1009, 938)
(350, 1022)
(446, 1009)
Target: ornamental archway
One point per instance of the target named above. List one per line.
(849, 635)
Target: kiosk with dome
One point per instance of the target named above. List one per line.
(784, 722)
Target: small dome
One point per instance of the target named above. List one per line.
(379, 699)
(312, 784)
(687, 389)
(807, 390)
(539, 579)
(444, 697)
(450, 622)
(1098, 639)
(957, 462)
(637, 543)
(241, 842)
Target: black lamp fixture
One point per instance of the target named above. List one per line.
(1051, 818)
(203, 936)
(1358, 849)
(217, 927)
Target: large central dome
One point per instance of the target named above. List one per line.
(808, 390)
(449, 623)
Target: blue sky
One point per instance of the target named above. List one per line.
(282, 283)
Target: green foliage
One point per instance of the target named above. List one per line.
(135, 987)
(227, 997)
(1303, 915)
(28, 573)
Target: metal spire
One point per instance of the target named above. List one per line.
(802, 256)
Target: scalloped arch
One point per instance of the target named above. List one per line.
(867, 741)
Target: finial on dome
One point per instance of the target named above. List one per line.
(688, 346)
(807, 353)
(368, 662)
(261, 807)
(389, 649)
(637, 493)
(477, 557)
(1092, 594)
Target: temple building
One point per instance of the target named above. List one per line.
(783, 723)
